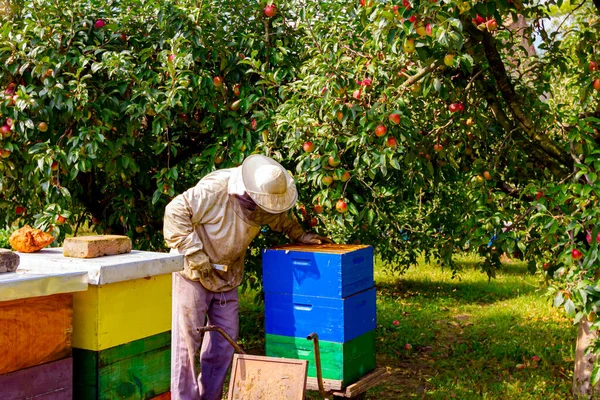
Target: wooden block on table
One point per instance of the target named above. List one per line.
(335, 320)
(331, 270)
(35, 331)
(109, 315)
(137, 370)
(51, 381)
(96, 246)
(345, 362)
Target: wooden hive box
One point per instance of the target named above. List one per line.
(344, 363)
(332, 270)
(36, 332)
(334, 319)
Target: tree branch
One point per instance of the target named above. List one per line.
(509, 94)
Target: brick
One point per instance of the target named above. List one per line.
(9, 261)
(96, 246)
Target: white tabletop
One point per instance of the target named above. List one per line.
(22, 284)
(103, 270)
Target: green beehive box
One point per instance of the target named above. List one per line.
(346, 362)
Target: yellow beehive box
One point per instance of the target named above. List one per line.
(128, 298)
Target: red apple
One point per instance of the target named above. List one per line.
(596, 84)
(395, 9)
(491, 25)
(394, 118)
(314, 222)
(437, 147)
(588, 237)
(171, 57)
(318, 209)
(340, 116)
(333, 162)
(19, 210)
(341, 206)
(345, 177)
(366, 82)
(308, 147)
(539, 195)
(270, 10)
(536, 358)
(546, 266)
(327, 180)
(593, 66)
(380, 131)
(123, 36)
(253, 124)
(487, 175)
(576, 254)
(408, 346)
(99, 24)
(5, 131)
(5, 153)
(391, 142)
(396, 322)
(60, 219)
(356, 94)
(429, 30)
(218, 81)
(479, 19)
(413, 19)
(42, 126)
(520, 366)
(236, 90)
(54, 166)
(10, 122)
(10, 89)
(454, 107)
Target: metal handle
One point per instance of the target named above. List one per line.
(315, 338)
(209, 328)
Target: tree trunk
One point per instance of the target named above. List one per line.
(584, 363)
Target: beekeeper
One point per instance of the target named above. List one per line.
(212, 225)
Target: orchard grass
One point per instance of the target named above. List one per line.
(467, 335)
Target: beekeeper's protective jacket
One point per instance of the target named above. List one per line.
(209, 225)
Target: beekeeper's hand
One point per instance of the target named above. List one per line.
(313, 238)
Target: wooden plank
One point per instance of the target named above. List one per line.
(328, 384)
(110, 315)
(35, 331)
(256, 377)
(364, 384)
(140, 377)
(51, 381)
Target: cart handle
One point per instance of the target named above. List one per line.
(232, 342)
(315, 338)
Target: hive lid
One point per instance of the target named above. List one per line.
(321, 248)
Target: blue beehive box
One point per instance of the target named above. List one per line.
(334, 319)
(335, 271)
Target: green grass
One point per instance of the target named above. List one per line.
(467, 335)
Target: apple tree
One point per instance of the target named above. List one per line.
(431, 127)
(107, 111)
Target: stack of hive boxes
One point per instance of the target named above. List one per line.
(325, 289)
(121, 324)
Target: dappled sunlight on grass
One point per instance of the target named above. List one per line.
(466, 334)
